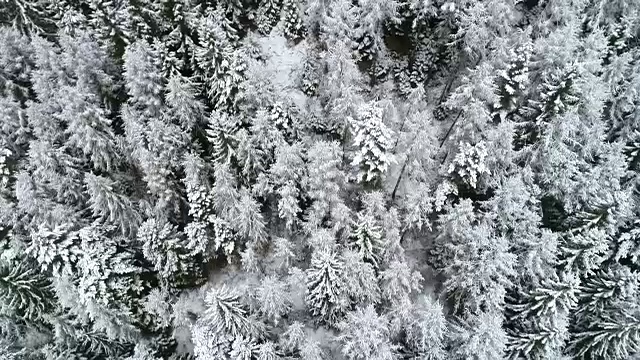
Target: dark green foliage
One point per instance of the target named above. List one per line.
(28, 16)
(24, 292)
(553, 214)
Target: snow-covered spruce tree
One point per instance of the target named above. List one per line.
(326, 289)
(556, 94)
(604, 299)
(17, 64)
(105, 278)
(108, 205)
(256, 146)
(220, 64)
(372, 139)
(145, 19)
(615, 334)
(283, 183)
(518, 217)
(178, 44)
(324, 183)
(273, 298)
(339, 90)
(226, 314)
(28, 16)
(426, 332)
(185, 107)
(361, 277)
(27, 296)
(368, 34)
(221, 134)
(514, 82)
(268, 15)
(367, 240)
(365, 335)
(227, 327)
(208, 235)
(72, 83)
(469, 165)
(165, 247)
(481, 337)
(542, 318)
(477, 263)
(158, 144)
(292, 16)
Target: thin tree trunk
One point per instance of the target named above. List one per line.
(446, 88)
(452, 78)
(344, 142)
(399, 133)
(395, 188)
(404, 232)
(446, 136)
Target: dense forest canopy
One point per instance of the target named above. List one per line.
(319, 179)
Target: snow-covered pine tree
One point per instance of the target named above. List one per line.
(481, 270)
(243, 349)
(478, 264)
(398, 282)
